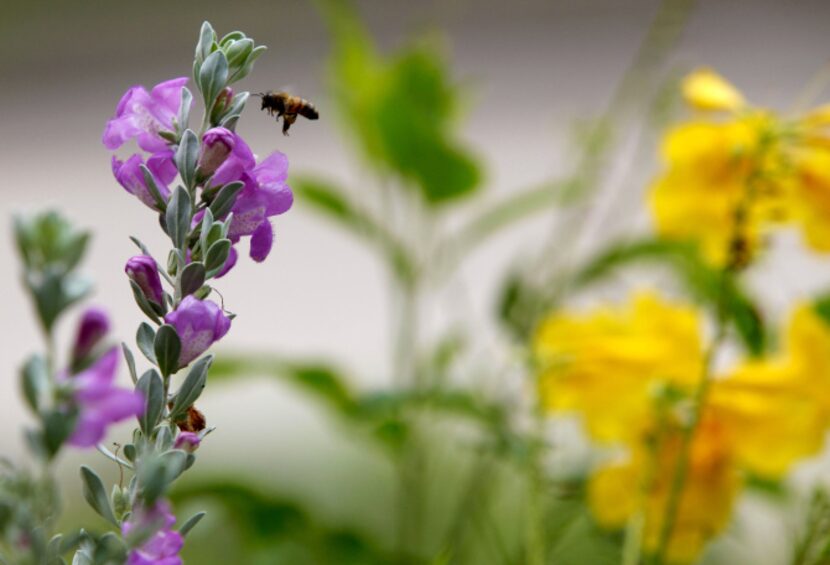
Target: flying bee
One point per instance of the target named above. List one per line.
(287, 106)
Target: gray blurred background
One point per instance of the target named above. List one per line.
(530, 67)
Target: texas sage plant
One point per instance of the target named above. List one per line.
(222, 196)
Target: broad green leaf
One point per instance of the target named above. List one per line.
(144, 305)
(213, 77)
(191, 388)
(400, 109)
(177, 217)
(145, 338)
(96, 495)
(35, 381)
(167, 348)
(192, 278)
(152, 387)
(225, 198)
(130, 359)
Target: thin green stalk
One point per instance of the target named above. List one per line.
(535, 533)
(736, 260)
(682, 467)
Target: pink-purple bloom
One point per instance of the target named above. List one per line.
(143, 270)
(163, 546)
(142, 115)
(199, 324)
(99, 402)
(265, 194)
(217, 144)
(188, 441)
(92, 328)
(128, 174)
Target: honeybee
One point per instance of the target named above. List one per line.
(287, 106)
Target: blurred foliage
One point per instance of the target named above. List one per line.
(400, 109)
(276, 530)
(521, 303)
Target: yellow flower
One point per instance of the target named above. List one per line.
(780, 408)
(706, 90)
(642, 483)
(704, 194)
(761, 418)
(810, 202)
(606, 364)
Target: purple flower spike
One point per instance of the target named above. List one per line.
(163, 546)
(199, 324)
(93, 326)
(142, 270)
(100, 403)
(142, 115)
(188, 441)
(128, 174)
(217, 144)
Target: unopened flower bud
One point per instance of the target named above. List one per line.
(217, 144)
(93, 326)
(188, 441)
(143, 271)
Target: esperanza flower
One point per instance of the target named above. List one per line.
(760, 417)
(265, 194)
(607, 364)
(163, 545)
(792, 391)
(143, 270)
(128, 174)
(642, 481)
(730, 179)
(199, 324)
(143, 115)
(99, 402)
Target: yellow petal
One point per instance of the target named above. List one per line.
(706, 90)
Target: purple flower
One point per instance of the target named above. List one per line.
(93, 326)
(199, 324)
(128, 174)
(142, 115)
(265, 194)
(240, 161)
(142, 270)
(217, 144)
(188, 441)
(99, 402)
(163, 546)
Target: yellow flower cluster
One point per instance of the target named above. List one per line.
(735, 172)
(629, 373)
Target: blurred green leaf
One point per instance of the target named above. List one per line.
(400, 108)
(385, 414)
(324, 382)
(705, 283)
(267, 521)
(522, 303)
(332, 202)
(96, 495)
